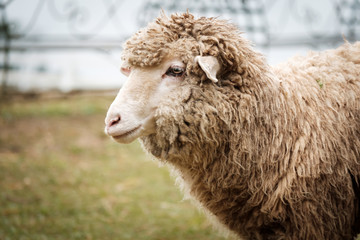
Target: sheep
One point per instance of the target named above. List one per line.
(269, 152)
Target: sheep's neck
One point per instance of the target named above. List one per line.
(217, 168)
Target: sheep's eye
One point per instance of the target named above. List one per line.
(175, 71)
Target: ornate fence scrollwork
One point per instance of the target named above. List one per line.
(82, 31)
(248, 14)
(255, 17)
(348, 14)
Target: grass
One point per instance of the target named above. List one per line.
(62, 178)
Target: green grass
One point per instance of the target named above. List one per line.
(62, 178)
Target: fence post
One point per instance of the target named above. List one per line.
(5, 31)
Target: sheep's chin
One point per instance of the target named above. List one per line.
(129, 136)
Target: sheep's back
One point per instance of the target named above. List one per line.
(322, 92)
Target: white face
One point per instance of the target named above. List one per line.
(131, 115)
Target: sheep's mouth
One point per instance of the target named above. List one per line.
(126, 134)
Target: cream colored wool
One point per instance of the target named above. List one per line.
(272, 153)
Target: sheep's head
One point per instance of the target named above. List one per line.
(169, 55)
(132, 114)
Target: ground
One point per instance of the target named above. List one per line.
(62, 178)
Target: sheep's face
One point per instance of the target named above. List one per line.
(132, 114)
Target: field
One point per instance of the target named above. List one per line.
(62, 178)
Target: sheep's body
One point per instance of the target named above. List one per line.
(272, 153)
(273, 163)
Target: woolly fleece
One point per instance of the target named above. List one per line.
(271, 153)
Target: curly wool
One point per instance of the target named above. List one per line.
(272, 153)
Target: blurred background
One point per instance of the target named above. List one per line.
(60, 176)
(75, 44)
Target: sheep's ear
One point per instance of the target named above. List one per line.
(209, 65)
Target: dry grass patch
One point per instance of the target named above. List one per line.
(62, 178)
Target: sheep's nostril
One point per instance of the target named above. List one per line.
(114, 121)
(110, 123)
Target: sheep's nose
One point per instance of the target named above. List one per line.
(113, 121)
